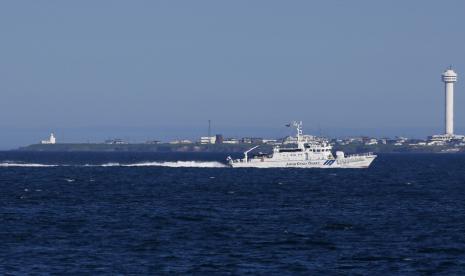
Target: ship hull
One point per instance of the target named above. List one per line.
(350, 163)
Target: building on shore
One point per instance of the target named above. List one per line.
(252, 140)
(52, 140)
(208, 140)
(116, 142)
(271, 141)
(230, 141)
(184, 141)
(219, 139)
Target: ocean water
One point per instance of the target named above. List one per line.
(134, 213)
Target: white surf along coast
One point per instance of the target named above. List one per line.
(309, 152)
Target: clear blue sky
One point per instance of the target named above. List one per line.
(149, 69)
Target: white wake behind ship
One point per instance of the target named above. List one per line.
(313, 153)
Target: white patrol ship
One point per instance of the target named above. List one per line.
(315, 153)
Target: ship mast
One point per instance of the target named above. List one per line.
(298, 126)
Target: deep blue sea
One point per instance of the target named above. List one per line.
(146, 213)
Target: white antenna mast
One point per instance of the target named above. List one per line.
(298, 126)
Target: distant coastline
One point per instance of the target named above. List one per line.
(140, 147)
(226, 148)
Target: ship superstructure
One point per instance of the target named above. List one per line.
(315, 153)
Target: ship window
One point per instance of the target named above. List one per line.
(290, 150)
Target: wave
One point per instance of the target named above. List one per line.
(175, 164)
(29, 165)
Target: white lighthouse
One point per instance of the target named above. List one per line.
(52, 140)
(449, 77)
